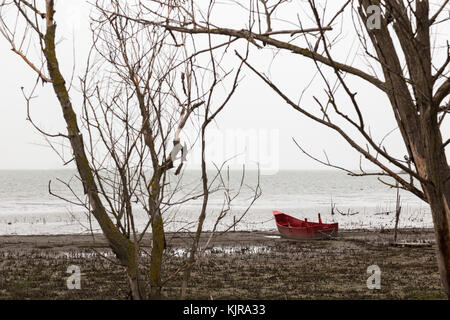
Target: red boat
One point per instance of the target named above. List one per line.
(294, 228)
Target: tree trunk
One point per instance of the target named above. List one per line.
(121, 246)
(438, 195)
(135, 287)
(201, 220)
(441, 218)
(417, 115)
(158, 246)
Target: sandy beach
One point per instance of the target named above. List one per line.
(236, 265)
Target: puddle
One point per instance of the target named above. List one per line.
(174, 252)
(225, 250)
(84, 255)
(273, 237)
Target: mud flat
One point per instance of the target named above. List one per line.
(236, 265)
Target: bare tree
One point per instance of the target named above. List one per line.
(397, 40)
(141, 87)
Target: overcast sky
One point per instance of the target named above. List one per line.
(254, 111)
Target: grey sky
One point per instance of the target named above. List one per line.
(255, 109)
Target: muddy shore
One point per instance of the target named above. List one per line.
(237, 265)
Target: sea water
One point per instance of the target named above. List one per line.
(27, 207)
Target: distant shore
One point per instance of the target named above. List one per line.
(237, 265)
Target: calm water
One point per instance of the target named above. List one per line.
(26, 207)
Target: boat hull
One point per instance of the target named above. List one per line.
(293, 228)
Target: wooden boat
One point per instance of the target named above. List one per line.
(294, 228)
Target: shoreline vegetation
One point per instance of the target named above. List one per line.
(236, 265)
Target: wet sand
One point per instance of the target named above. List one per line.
(237, 265)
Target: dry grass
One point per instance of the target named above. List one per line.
(256, 268)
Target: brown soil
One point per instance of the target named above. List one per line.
(237, 265)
